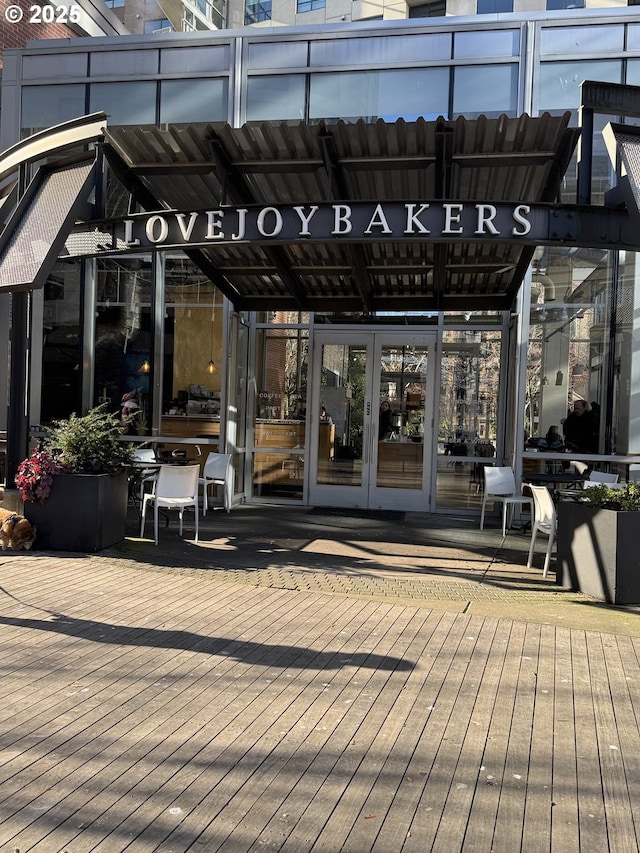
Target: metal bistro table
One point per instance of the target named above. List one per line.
(139, 469)
(557, 480)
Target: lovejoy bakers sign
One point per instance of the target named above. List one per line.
(430, 221)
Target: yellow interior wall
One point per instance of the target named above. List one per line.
(192, 348)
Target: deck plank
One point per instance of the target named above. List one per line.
(486, 802)
(565, 815)
(538, 803)
(470, 775)
(611, 727)
(592, 825)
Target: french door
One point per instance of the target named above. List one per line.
(372, 419)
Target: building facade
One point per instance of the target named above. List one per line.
(368, 400)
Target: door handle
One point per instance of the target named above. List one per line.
(365, 444)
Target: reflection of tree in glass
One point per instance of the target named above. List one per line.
(295, 372)
(469, 384)
(355, 380)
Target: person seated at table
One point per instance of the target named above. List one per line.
(554, 438)
(580, 432)
(385, 426)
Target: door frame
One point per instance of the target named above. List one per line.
(368, 494)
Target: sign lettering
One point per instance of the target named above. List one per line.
(445, 220)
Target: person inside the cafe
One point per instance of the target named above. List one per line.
(580, 430)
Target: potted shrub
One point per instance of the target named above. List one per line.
(597, 549)
(75, 485)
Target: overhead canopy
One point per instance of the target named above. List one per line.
(482, 160)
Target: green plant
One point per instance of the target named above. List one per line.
(622, 500)
(90, 444)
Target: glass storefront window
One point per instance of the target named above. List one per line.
(625, 432)
(192, 369)
(61, 354)
(569, 40)
(568, 353)
(192, 100)
(125, 103)
(372, 51)
(123, 337)
(122, 63)
(570, 349)
(489, 90)
(373, 95)
(187, 60)
(193, 358)
(276, 98)
(54, 67)
(45, 106)
(486, 43)
(281, 407)
(559, 83)
(278, 55)
(468, 428)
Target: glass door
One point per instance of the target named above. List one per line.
(372, 419)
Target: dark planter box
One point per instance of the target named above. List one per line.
(598, 552)
(84, 512)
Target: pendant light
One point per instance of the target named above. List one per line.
(211, 366)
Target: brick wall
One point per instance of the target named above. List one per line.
(18, 34)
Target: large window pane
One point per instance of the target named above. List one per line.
(371, 51)
(125, 103)
(275, 98)
(163, 24)
(110, 63)
(123, 362)
(380, 94)
(485, 90)
(569, 341)
(281, 378)
(469, 398)
(278, 55)
(633, 36)
(633, 72)
(61, 359)
(190, 101)
(186, 60)
(44, 106)
(494, 7)
(489, 43)
(309, 5)
(560, 81)
(626, 400)
(256, 11)
(569, 40)
(553, 5)
(50, 66)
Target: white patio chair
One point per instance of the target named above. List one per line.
(147, 475)
(602, 477)
(217, 471)
(544, 521)
(176, 488)
(500, 487)
(578, 467)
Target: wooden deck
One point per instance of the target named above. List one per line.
(149, 711)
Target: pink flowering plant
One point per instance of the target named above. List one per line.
(35, 476)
